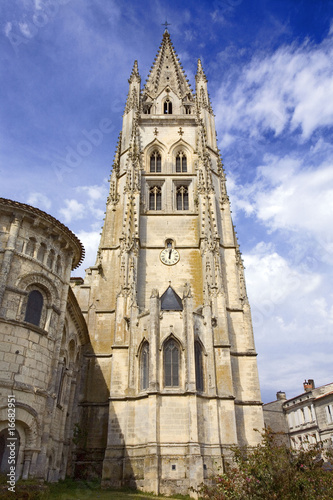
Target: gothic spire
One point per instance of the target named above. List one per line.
(167, 71)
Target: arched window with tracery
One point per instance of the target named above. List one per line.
(144, 366)
(167, 107)
(155, 198)
(182, 197)
(34, 308)
(171, 364)
(181, 162)
(155, 162)
(199, 375)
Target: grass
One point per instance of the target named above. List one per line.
(85, 490)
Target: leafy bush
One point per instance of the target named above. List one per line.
(272, 470)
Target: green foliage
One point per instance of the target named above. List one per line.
(272, 470)
(24, 490)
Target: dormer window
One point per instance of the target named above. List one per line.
(155, 162)
(167, 107)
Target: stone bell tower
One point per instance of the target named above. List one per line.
(173, 380)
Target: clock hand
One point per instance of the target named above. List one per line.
(170, 251)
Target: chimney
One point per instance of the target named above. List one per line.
(308, 385)
(281, 395)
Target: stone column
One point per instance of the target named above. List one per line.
(8, 256)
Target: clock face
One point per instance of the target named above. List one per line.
(169, 256)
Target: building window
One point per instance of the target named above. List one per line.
(34, 308)
(144, 366)
(182, 197)
(58, 265)
(155, 198)
(199, 379)
(167, 107)
(181, 162)
(50, 259)
(329, 413)
(41, 252)
(171, 364)
(155, 162)
(30, 248)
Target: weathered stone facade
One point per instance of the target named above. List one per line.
(40, 356)
(173, 381)
(167, 380)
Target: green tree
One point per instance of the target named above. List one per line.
(275, 472)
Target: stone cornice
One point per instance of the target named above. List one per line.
(25, 210)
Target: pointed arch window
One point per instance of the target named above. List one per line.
(182, 197)
(144, 366)
(34, 308)
(181, 162)
(171, 364)
(155, 162)
(199, 379)
(167, 107)
(155, 198)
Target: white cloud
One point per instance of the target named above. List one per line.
(290, 88)
(287, 195)
(39, 200)
(90, 241)
(8, 28)
(25, 30)
(91, 203)
(72, 211)
(272, 282)
(292, 316)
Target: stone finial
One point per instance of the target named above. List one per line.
(135, 76)
(154, 294)
(200, 72)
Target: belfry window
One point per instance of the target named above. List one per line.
(182, 197)
(181, 162)
(171, 364)
(144, 366)
(34, 308)
(199, 379)
(167, 108)
(155, 198)
(155, 162)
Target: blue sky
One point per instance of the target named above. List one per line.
(65, 66)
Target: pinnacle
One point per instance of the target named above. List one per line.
(135, 73)
(200, 72)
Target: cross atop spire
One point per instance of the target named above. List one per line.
(166, 24)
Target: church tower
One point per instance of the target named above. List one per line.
(172, 382)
